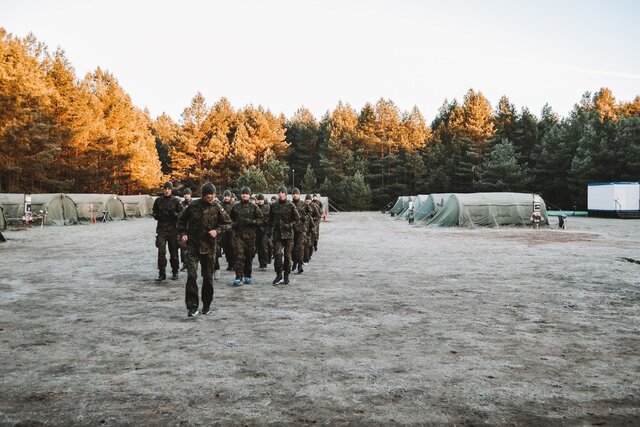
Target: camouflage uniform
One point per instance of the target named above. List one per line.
(300, 228)
(226, 239)
(196, 222)
(311, 231)
(246, 217)
(282, 215)
(263, 239)
(320, 207)
(183, 252)
(166, 210)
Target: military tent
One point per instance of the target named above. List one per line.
(487, 210)
(430, 206)
(3, 220)
(59, 209)
(138, 205)
(414, 203)
(100, 206)
(401, 205)
(13, 204)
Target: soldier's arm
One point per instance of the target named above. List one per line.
(224, 221)
(183, 221)
(259, 217)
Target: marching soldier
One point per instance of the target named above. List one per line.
(282, 215)
(227, 236)
(246, 217)
(316, 201)
(311, 231)
(199, 226)
(262, 237)
(300, 228)
(186, 194)
(166, 210)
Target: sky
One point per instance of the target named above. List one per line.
(287, 54)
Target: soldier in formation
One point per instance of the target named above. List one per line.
(227, 236)
(282, 216)
(316, 201)
(186, 194)
(166, 210)
(199, 226)
(263, 235)
(246, 217)
(300, 229)
(314, 225)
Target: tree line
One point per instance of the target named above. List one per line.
(60, 133)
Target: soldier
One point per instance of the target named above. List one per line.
(199, 226)
(300, 230)
(262, 237)
(282, 215)
(311, 231)
(227, 236)
(316, 200)
(186, 194)
(166, 210)
(246, 217)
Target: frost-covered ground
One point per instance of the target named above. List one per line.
(389, 324)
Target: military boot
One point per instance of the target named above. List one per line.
(161, 276)
(174, 275)
(286, 278)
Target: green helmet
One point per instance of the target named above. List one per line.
(245, 190)
(282, 189)
(295, 191)
(227, 193)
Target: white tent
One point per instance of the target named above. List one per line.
(140, 205)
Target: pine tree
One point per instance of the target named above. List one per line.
(501, 170)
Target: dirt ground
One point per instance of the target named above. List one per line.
(389, 324)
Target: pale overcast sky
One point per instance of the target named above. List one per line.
(285, 54)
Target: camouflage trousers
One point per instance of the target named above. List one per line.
(207, 263)
(282, 247)
(262, 248)
(299, 242)
(226, 239)
(164, 239)
(244, 251)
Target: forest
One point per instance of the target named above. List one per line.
(62, 133)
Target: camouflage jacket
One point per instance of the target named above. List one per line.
(166, 211)
(246, 217)
(197, 220)
(264, 208)
(305, 211)
(315, 215)
(320, 206)
(282, 215)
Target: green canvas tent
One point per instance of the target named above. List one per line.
(13, 204)
(487, 210)
(415, 202)
(99, 206)
(138, 205)
(401, 205)
(59, 209)
(430, 207)
(3, 220)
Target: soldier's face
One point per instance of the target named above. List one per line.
(282, 196)
(166, 192)
(208, 198)
(260, 202)
(245, 196)
(296, 197)
(227, 198)
(187, 197)
(308, 201)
